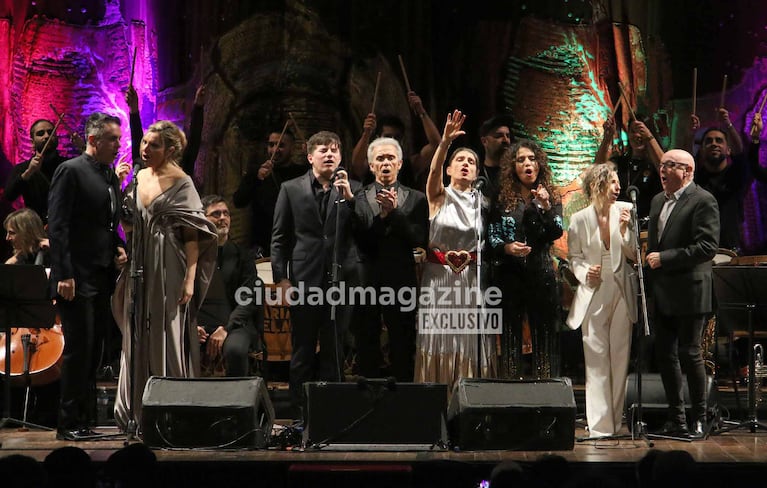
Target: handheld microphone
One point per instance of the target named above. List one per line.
(480, 183)
(633, 192)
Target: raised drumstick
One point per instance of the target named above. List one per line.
(626, 100)
(375, 94)
(694, 89)
(132, 67)
(724, 89)
(404, 73)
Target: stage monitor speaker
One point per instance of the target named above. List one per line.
(516, 415)
(375, 414)
(654, 404)
(206, 412)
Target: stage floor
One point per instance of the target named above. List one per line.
(739, 455)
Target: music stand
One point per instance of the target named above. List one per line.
(24, 302)
(742, 290)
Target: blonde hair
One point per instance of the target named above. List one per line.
(596, 183)
(28, 228)
(172, 138)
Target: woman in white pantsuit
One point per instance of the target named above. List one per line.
(600, 240)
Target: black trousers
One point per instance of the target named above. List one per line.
(402, 331)
(677, 346)
(308, 325)
(83, 321)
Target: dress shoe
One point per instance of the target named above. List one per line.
(674, 428)
(69, 435)
(698, 429)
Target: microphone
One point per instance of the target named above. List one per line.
(633, 192)
(480, 183)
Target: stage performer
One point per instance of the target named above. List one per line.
(261, 185)
(413, 167)
(24, 230)
(682, 240)
(525, 222)
(82, 227)
(175, 247)
(393, 219)
(32, 178)
(304, 239)
(600, 241)
(222, 332)
(452, 265)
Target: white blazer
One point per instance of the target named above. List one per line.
(585, 249)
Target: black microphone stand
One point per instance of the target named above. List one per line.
(335, 274)
(136, 275)
(481, 298)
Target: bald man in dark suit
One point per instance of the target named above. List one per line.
(683, 239)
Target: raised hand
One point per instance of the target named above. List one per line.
(453, 126)
(756, 127)
(541, 195)
(131, 98)
(369, 125)
(416, 105)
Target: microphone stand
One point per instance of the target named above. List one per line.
(136, 274)
(335, 276)
(481, 298)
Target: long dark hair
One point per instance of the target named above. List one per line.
(511, 187)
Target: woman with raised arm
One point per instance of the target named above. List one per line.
(174, 245)
(600, 241)
(451, 267)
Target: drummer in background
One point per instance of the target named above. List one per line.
(24, 230)
(228, 330)
(392, 220)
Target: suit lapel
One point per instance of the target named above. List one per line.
(370, 195)
(312, 202)
(402, 195)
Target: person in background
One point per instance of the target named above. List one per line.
(24, 230)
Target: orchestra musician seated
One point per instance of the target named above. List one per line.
(24, 230)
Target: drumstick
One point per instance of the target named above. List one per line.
(626, 100)
(132, 67)
(762, 105)
(375, 94)
(404, 73)
(724, 89)
(299, 132)
(694, 89)
(55, 127)
(615, 108)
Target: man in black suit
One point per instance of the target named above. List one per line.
(683, 239)
(392, 220)
(82, 227)
(305, 244)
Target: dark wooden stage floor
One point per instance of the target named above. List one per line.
(739, 455)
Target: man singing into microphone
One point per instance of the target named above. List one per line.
(312, 227)
(392, 219)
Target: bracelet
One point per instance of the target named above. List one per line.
(422, 114)
(729, 126)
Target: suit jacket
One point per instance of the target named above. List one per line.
(302, 244)
(387, 244)
(82, 224)
(682, 284)
(584, 246)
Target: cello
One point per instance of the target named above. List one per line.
(44, 354)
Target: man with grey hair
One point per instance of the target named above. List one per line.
(682, 240)
(392, 220)
(85, 247)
